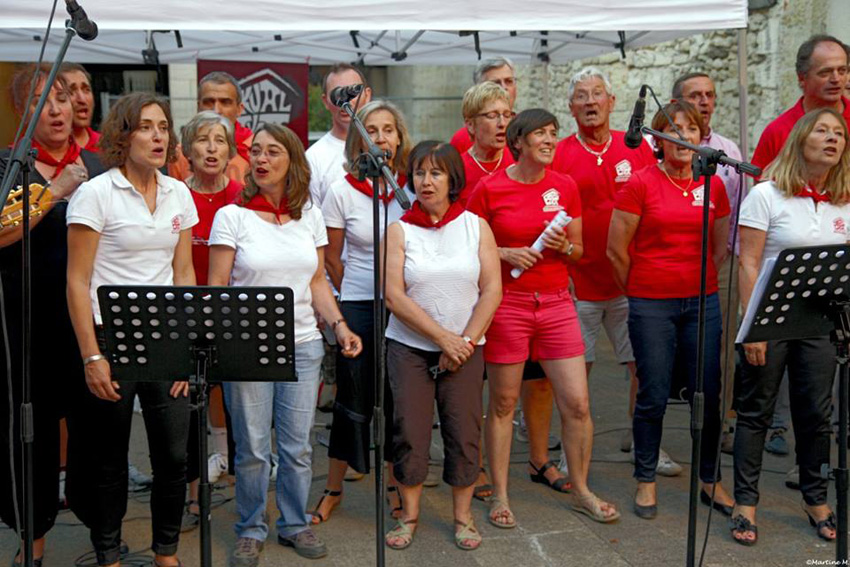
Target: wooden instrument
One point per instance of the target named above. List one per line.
(40, 199)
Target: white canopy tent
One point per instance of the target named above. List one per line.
(319, 32)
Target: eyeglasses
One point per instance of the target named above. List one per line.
(272, 153)
(582, 97)
(494, 116)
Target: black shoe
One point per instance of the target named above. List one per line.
(645, 512)
(722, 508)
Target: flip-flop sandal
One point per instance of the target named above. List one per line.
(499, 509)
(317, 517)
(591, 506)
(467, 538)
(828, 523)
(402, 531)
(562, 484)
(739, 525)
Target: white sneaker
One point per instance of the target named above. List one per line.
(137, 481)
(217, 466)
(562, 464)
(665, 467)
(273, 473)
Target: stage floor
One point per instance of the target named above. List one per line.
(548, 533)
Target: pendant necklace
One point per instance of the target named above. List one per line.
(597, 154)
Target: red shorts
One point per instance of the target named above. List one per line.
(536, 325)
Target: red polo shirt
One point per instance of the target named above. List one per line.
(774, 136)
(598, 185)
(474, 172)
(207, 206)
(516, 212)
(667, 246)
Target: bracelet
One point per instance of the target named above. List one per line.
(93, 358)
(570, 248)
(337, 322)
(468, 339)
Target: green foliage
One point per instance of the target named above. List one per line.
(320, 118)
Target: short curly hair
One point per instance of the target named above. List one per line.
(123, 119)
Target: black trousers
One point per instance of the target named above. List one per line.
(355, 395)
(811, 370)
(97, 478)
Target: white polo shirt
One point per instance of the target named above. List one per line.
(347, 208)
(270, 254)
(326, 158)
(135, 246)
(792, 222)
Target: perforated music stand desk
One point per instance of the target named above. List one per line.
(199, 334)
(806, 296)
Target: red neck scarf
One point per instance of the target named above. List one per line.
(241, 135)
(70, 156)
(91, 145)
(365, 187)
(417, 215)
(260, 203)
(816, 197)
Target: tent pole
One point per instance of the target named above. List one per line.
(744, 140)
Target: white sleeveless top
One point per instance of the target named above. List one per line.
(441, 270)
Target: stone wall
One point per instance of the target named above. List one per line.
(772, 40)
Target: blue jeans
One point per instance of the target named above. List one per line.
(663, 333)
(291, 407)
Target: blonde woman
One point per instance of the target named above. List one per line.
(805, 202)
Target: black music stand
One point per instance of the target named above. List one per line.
(203, 334)
(807, 295)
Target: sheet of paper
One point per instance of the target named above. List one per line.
(755, 299)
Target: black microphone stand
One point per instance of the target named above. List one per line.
(373, 164)
(705, 162)
(20, 163)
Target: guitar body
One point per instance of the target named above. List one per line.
(39, 202)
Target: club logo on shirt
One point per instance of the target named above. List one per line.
(698, 195)
(624, 171)
(176, 222)
(838, 226)
(550, 200)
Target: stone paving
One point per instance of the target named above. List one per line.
(548, 534)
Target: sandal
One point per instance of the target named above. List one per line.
(561, 484)
(317, 517)
(828, 523)
(157, 564)
(499, 509)
(467, 537)
(483, 492)
(738, 526)
(591, 506)
(396, 511)
(404, 532)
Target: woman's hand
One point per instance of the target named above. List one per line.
(179, 388)
(446, 364)
(67, 182)
(522, 258)
(756, 353)
(350, 343)
(99, 381)
(455, 348)
(555, 238)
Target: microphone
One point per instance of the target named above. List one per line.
(341, 95)
(633, 137)
(80, 21)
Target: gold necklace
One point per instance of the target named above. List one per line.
(484, 169)
(686, 191)
(597, 154)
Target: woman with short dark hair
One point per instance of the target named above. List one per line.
(131, 225)
(536, 318)
(443, 285)
(654, 244)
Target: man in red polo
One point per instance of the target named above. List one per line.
(498, 70)
(597, 158)
(82, 98)
(822, 75)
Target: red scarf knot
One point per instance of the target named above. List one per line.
(259, 203)
(418, 217)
